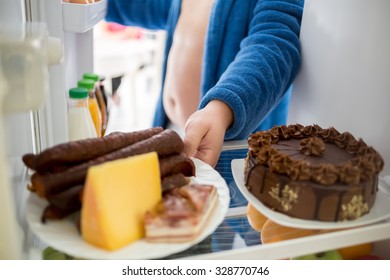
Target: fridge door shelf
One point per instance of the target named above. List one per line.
(80, 18)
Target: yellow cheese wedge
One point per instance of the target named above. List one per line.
(116, 196)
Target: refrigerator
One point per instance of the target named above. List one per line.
(70, 29)
(27, 26)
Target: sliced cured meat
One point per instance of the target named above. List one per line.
(182, 214)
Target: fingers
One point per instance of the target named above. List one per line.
(209, 156)
(202, 140)
(204, 152)
(192, 138)
(205, 131)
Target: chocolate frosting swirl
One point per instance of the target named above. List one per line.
(299, 170)
(329, 134)
(312, 146)
(349, 173)
(311, 130)
(295, 130)
(366, 163)
(343, 140)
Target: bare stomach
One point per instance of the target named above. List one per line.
(182, 86)
(181, 94)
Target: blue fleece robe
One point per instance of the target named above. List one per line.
(252, 54)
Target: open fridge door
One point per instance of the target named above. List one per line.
(26, 51)
(34, 97)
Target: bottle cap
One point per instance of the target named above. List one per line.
(78, 93)
(86, 83)
(91, 76)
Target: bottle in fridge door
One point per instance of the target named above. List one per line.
(93, 104)
(80, 124)
(100, 99)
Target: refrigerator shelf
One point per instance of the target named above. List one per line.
(376, 233)
(80, 18)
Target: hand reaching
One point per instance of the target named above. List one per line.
(205, 130)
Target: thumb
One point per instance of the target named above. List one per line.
(191, 143)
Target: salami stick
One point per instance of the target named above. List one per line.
(52, 212)
(174, 181)
(174, 171)
(46, 185)
(86, 149)
(178, 163)
(69, 199)
(165, 143)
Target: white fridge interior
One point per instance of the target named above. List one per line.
(46, 124)
(312, 100)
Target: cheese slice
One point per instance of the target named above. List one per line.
(116, 197)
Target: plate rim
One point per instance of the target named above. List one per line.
(159, 249)
(288, 221)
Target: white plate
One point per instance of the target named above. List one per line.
(63, 235)
(380, 210)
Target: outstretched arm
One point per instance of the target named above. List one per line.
(264, 67)
(252, 85)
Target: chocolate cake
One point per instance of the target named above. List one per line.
(312, 173)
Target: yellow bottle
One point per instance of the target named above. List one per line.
(92, 104)
(100, 99)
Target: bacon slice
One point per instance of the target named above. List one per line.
(197, 195)
(181, 215)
